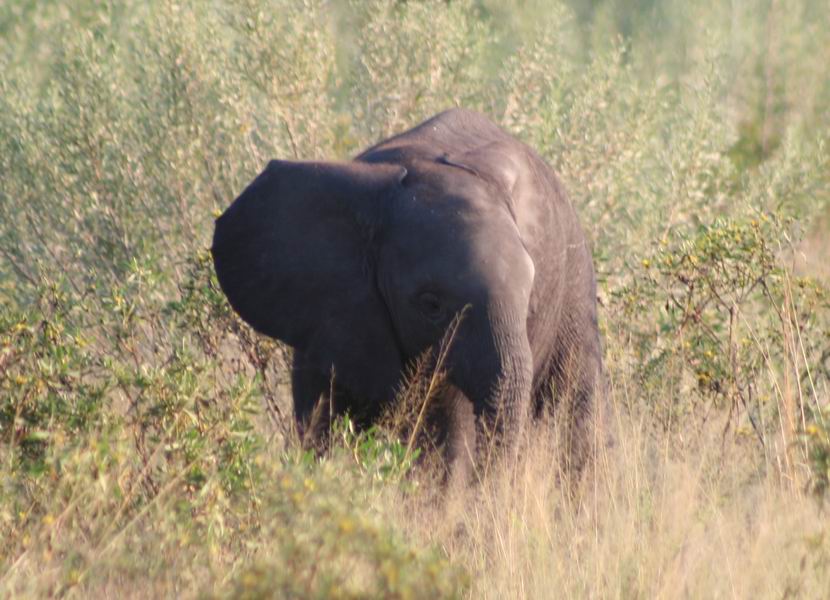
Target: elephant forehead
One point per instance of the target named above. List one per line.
(437, 205)
(450, 226)
(422, 243)
(475, 247)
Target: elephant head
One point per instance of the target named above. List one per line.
(362, 266)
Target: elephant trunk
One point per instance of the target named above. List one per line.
(509, 400)
(499, 377)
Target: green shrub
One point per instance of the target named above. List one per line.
(53, 385)
(726, 316)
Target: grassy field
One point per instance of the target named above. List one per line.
(146, 446)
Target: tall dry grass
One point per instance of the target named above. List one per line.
(650, 520)
(689, 511)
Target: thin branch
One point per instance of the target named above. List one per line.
(18, 267)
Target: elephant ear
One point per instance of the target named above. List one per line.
(291, 254)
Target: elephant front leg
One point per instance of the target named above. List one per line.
(314, 403)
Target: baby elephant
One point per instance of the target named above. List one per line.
(362, 266)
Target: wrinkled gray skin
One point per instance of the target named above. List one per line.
(362, 265)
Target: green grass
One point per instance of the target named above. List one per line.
(146, 443)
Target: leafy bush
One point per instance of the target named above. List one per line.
(726, 314)
(53, 386)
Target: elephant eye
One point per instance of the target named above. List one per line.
(431, 306)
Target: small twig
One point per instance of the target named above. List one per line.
(18, 267)
(291, 138)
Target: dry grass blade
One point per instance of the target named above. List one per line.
(435, 378)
